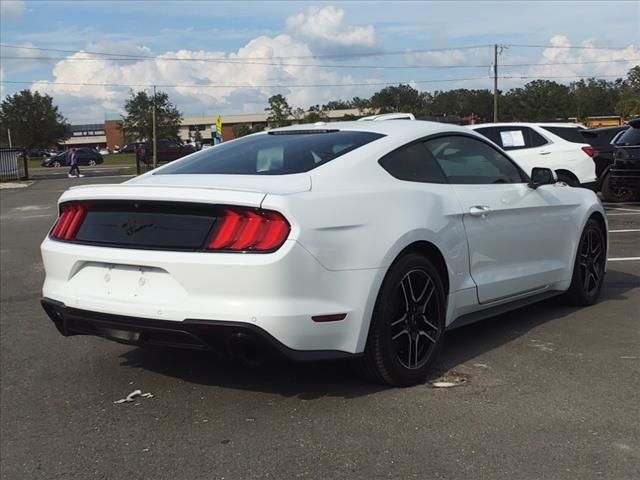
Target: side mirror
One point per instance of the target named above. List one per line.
(542, 176)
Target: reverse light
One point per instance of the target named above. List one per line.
(249, 230)
(589, 151)
(69, 222)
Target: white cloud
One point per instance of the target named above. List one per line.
(11, 8)
(88, 103)
(326, 25)
(447, 57)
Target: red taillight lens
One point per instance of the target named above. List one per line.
(589, 151)
(69, 222)
(249, 230)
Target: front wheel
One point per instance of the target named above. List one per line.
(407, 326)
(612, 194)
(588, 269)
(56, 164)
(92, 163)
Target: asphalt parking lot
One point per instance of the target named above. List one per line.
(552, 392)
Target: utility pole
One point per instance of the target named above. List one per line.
(495, 82)
(153, 120)
(9, 135)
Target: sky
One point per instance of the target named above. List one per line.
(230, 57)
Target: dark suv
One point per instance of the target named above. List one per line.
(168, 150)
(602, 139)
(625, 171)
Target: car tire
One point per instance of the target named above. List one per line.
(611, 194)
(92, 163)
(569, 180)
(56, 164)
(407, 325)
(588, 268)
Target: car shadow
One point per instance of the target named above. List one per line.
(309, 381)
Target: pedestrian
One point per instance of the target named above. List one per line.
(72, 159)
(141, 153)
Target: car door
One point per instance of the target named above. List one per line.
(520, 238)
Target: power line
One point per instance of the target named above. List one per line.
(578, 47)
(380, 67)
(208, 85)
(339, 55)
(324, 85)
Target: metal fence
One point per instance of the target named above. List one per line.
(13, 164)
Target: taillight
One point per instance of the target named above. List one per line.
(69, 222)
(249, 230)
(589, 151)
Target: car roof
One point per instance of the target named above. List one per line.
(527, 124)
(417, 128)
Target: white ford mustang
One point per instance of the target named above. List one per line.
(355, 239)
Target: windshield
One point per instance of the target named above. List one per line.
(630, 138)
(275, 153)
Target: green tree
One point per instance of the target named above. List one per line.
(401, 98)
(363, 105)
(316, 113)
(279, 111)
(463, 102)
(241, 129)
(539, 100)
(593, 97)
(629, 94)
(33, 119)
(138, 123)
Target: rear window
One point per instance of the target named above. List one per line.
(570, 134)
(630, 138)
(274, 153)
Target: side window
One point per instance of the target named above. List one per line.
(466, 160)
(492, 133)
(413, 163)
(534, 139)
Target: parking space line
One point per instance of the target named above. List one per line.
(622, 259)
(625, 231)
(625, 209)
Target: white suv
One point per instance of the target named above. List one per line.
(559, 146)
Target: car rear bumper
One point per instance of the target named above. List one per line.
(625, 178)
(277, 293)
(233, 339)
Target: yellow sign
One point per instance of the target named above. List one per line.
(219, 126)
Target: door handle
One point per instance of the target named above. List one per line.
(544, 152)
(479, 210)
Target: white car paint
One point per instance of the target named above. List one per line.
(350, 219)
(557, 154)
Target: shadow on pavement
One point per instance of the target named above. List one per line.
(309, 381)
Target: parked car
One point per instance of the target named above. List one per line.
(602, 139)
(86, 157)
(559, 146)
(38, 153)
(625, 171)
(130, 147)
(167, 151)
(365, 240)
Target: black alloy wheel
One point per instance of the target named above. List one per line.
(408, 323)
(589, 267)
(414, 334)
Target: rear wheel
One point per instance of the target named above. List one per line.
(588, 270)
(56, 163)
(612, 194)
(92, 163)
(568, 179)
(407, 325)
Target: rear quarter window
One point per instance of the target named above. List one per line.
(570, 134)
(275, 153)
(630, 138)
